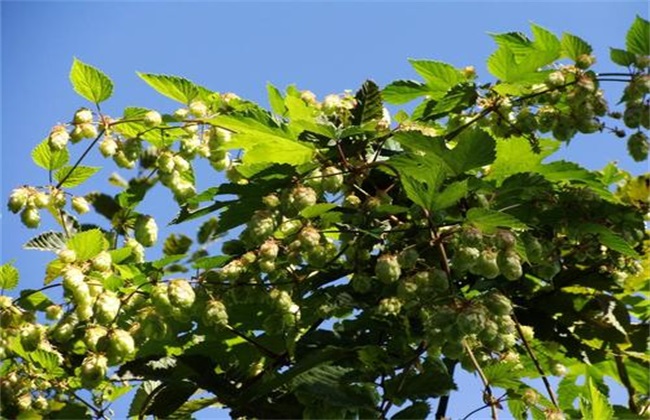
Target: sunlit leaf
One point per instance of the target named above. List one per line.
(89, 82)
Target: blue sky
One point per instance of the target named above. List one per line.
(239, 47)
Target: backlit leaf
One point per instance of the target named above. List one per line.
(174, 87)
(87, 244)
(8, 277)
(573, 46)
(89, 82)
(403, 91)
(637, 40)
(47, 241)
(46, 158)
(74, 176)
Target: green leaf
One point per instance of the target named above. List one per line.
(9, 277)
(417, 410)
(456, 99)
(317, 210)
(89, 82)
(176, 244)
(450, 195)
(515, 155)
(403, 91)
(71, 411)
(47, 241)
(609, 239)
(207, 230)
(275, 99)
(474, 149)
(369, 105)
(167, 398)
(421, 176)
(87, 244)
(208, 263)
(489, 220)
(185, 411)
(500, 63)
(593, 404)
(47, 360)
(174, 87)
(501, 375)
(439, 76)
(546, 41)
(573, 46)
(622, 57)
(637, 40)
(75, 176)
(298, 110)
(43, 156)
(33, 300)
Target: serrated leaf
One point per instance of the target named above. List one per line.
(437, 75)
(317, 210)
(369, 104)
(500, 63)
(622, 57)
(545, 41)
(276, 101)
(573, 46)
(33, 300)
(403, 91)
(207, 230)
(421, 176)
(47, 241)
(489, 220)
(450, 195)
(43, 156)
(417, 410)
(74, 176)
(87, 244)
(9, 276)
(593, 404)
(609, 239)
(637, 40)
(515, 155)
(167, 398)
(208, 263)
(89, 82)
(298, 111)
(501, 375)
(47, 360)
(120, 254)
(517, 408)
(177, 244)
(186, 410)
(174, 87)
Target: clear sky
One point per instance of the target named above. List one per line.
(239, 47)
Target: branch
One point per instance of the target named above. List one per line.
(83, 155)
(500, 399)
(547, 384)
(31, 292)
(625, 380)
(441, 412)
(488, 397)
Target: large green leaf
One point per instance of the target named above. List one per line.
(89, 82)
(450, 195)
(573, 46)
(174, 87)
(403, 91)
(609, 239)
(369, 104)
(87, 244)
(46, 158)
(264, 143)
(637, 40)
(47, 360)
(593, 404)
(421, 176)
(70, 176)
(546, 41)
(47, 241)
(34, 300)
(515, 155)
(8, 276)
(167, 398)
(417, 410)
(489, 220)
(438, 76)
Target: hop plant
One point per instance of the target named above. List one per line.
(58, 138)
(18, 199)
(80, 205)
(82, 116)
(387, 268)
(146, 230)
(181, 294)
(302, 197)
(30, 217)
(389, 306)
(93, 370)
(152, 119)
(108, 147)
(215, 313)
(106, 308)
(332, 179)
(120, 346)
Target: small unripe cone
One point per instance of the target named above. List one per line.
(465, 258)
(558, 369)
(510, 265)
(309, 237)
(108, 147)
(93, 335)
(58, 198)
(137, 250)
(486, 265)
(58, 138)
(152, 119)
(80, 205)
(221, 164)
(498, 304)
(165, 162)
(18, 199)
(31, 336)
(93, 370)
(24, 402)
(309, 97)
(269, 250)
(53, 312)
(82, 116)
(41, 403)
(88, 131)
(180, 114)
(122, 161)
(41, 200)
(84, 311)
(332, 179)
(556, 79)
(198, 109)
(528, 333)
(303, 197)
(408, 258)
(389, 306)
(271, 201)
(332, 103)
(102, 261)
(30, 217)
(146, 230)
(638, 146)
(160, 298)
(65, 328)
(267, 266)
(585, 61)
(215, 314)
(233, 270)
(351, 201)
(180, 164)
(67, 256)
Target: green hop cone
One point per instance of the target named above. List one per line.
(465, 258)
(146, 230)
(390, 306)
(67, 256)
(18, 199)
(82, 116)
(215, 314)
(387, 268)
(332, 179)
(93, 335)
(181, 294)
(108, 147)
(58, 138)
(160, 298)
(102, 261)
(106, 308)
(93, 370)
(152, 119)
(30, 217)
(510, 265)
(638, 145)
(120, 346)
(486, 265)
(80, 205)
(31, 336)
(408, 258)
(302, 197)
(498, 304)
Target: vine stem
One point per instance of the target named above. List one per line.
(530, 352)
(483, 407)
(81, 158)
(26, 295)
(625, 379)
(488, 397)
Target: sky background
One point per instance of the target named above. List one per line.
(239, 47)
